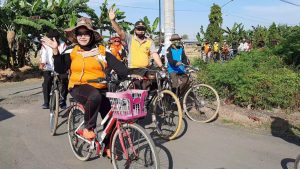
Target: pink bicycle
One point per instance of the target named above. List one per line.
(130, 145)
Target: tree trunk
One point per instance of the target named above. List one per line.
(21, 54)
(10, 36)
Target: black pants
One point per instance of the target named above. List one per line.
(144, 84)
(63, 86)
(93, 100)
(48, 80)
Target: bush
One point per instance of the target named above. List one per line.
(289, 49)
(258, 78)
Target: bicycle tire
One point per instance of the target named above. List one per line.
(199, 115)
(297, 162)
(161, 114)
(118, 154)
(54, 111)
(77, 113)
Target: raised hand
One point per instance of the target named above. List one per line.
(111, 14)
(49, 42)
(178, 63)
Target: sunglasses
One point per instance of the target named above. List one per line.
(141, 29)
(117, 41)
(85, 33)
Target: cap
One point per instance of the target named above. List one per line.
(140, 24)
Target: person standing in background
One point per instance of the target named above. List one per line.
(47, 67)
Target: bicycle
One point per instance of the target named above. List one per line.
(54, 103)
(200, 101)
(125, 142)
(164, 104)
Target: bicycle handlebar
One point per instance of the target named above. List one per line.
(191, 68)
(98, 80)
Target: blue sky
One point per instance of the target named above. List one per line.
(191, 14)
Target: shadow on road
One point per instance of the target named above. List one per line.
(25, 90)
(283, 129)
(164, 155)
(183, 129)
(1, 99)
(287, 163)
(4, 114)
(63, 119)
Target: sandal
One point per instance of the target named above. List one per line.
(88, 134)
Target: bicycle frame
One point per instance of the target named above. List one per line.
(110, 127)
(55, 84)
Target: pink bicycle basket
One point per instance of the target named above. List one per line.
(129, 104)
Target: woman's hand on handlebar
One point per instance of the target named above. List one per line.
(134, 76)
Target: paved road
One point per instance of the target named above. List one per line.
(25, 142)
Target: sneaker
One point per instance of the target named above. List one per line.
(45, 106)
(88, 134)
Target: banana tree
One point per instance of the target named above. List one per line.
(151, 28)
(235, 33)
(104, 22)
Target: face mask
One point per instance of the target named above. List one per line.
(141, 36)
(177, 44)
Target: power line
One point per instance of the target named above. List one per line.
(250, 18)
(291, 3)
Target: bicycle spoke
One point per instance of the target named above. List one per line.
(136, 146)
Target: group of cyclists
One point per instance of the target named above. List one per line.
(223, 51)
(87, 59)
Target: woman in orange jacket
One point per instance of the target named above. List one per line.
(86, 61)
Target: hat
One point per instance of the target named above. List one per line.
(85, 22)
(140, 24)
(175, 37)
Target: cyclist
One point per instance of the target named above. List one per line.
(216, 51)
(176, 58)
(207, 50)
(87, 61)
(141, 48)
(225, 50)
(117, 48)
(47, 66)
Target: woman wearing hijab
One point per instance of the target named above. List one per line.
(86, 61)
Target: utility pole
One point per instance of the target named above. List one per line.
(169, 21)
(159, 39)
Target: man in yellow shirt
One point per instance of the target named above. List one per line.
(141, 48)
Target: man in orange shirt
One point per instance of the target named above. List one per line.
(116, 48)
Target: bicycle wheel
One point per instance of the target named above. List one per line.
(132, 147)
(297, 162)
(80, 147)
(201, 103)
(54, 111)
(167, 114)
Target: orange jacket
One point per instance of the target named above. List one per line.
(116, 51)
(86, 66)
(207, 48)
